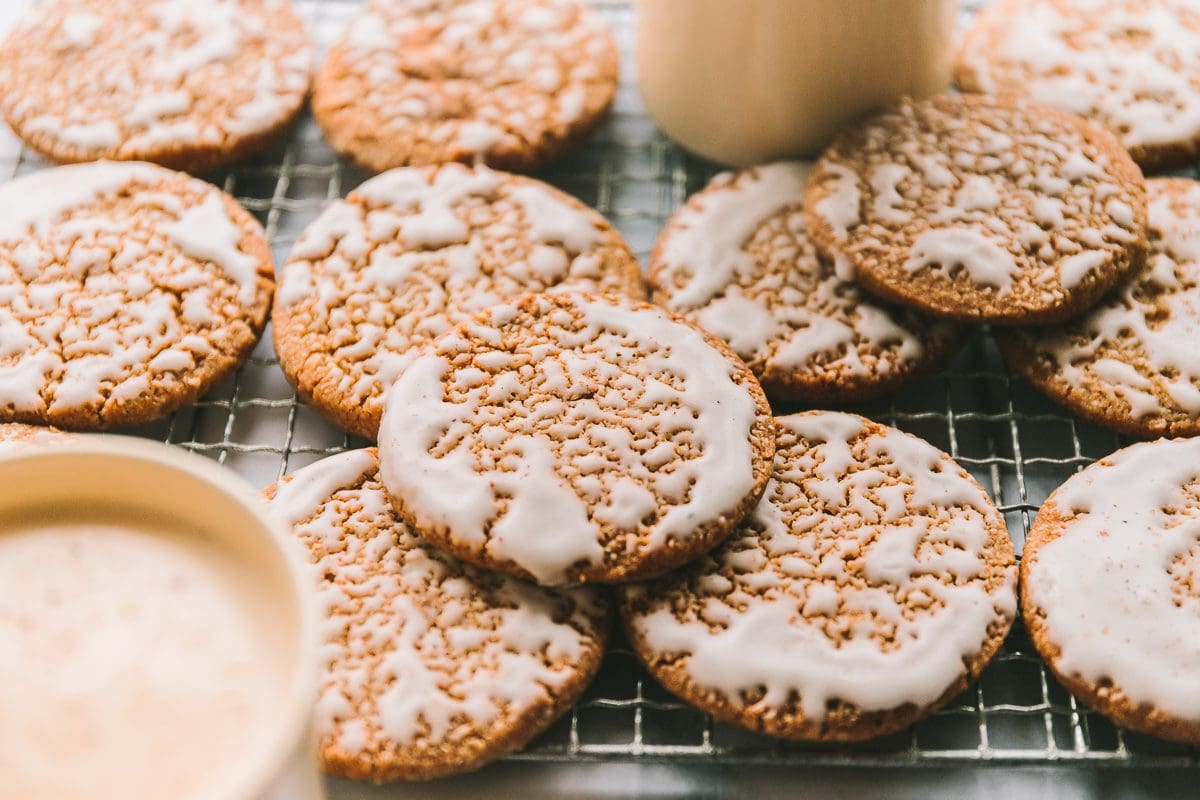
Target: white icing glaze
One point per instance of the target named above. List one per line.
(1073, 269)
(778, 639)
(300, 497)
(207, 233)
(708, 241)
(1114, 586)
(526, 513)
(1134, 66)
(37, 200)
(553, 221)
(414, 251)
(417, 646)
(137, 92)
(786, 320)
(947, 249)
(842, 207)
(79, 29)
(1153, 312)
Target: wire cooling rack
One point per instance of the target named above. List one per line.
(1019, 446)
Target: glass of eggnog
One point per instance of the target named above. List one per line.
(156, 630)
(748, 81)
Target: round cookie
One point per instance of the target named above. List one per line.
(567, 437)
(736, 260)
(512, 83)
(980, 209)
(430, 666)
(190, 84)
(1130, 65)
(126, 291)
(409, 254)
(1109, 592)
(874, 581)
(1132, 363)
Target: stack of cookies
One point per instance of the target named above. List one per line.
(543, 431)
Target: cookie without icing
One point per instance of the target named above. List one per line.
(736, 260)
(1109, 588)
(980, 209)
(429, 666)
(1132, 363)
(1131, 65)
(873, 582)
(566, 437)
(512, 83)
(190, 84)
(411, 253)
(126, 292)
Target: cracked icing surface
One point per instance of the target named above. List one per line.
(1110, 587)
(872, 582)
(190, 84)
(569, 437)
(126, 292)
(737, 261)
(1131, 65)
(511, 82)
(981, 209)
(411, 253)
(1131, 363)
(430, 666)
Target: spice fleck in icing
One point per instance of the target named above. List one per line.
(979, 208)
(1109, 586)
(429, 666)
(736, 259)
(185, 83)
(413, 252)
(565, 437)
(874, 578)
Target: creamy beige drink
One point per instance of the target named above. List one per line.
(156, 630)
(748, 81)
(137, 661)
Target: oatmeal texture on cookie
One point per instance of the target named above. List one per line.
(430, 666)
(981, 209)
(126, 291)
(512, 83)
(737, 260)
(567, 437)
(413, 252)
(190, 84)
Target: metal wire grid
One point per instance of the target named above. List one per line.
(1016, 444)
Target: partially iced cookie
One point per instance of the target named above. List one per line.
(980, 209)
(126, 292)
(1109, 589)
(737, 261)
(872, 583)
(1132, 362)
(412, 252)
(1130, 65)
(429, 666)
(510, 83)
(568, 437)
(190, 84)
